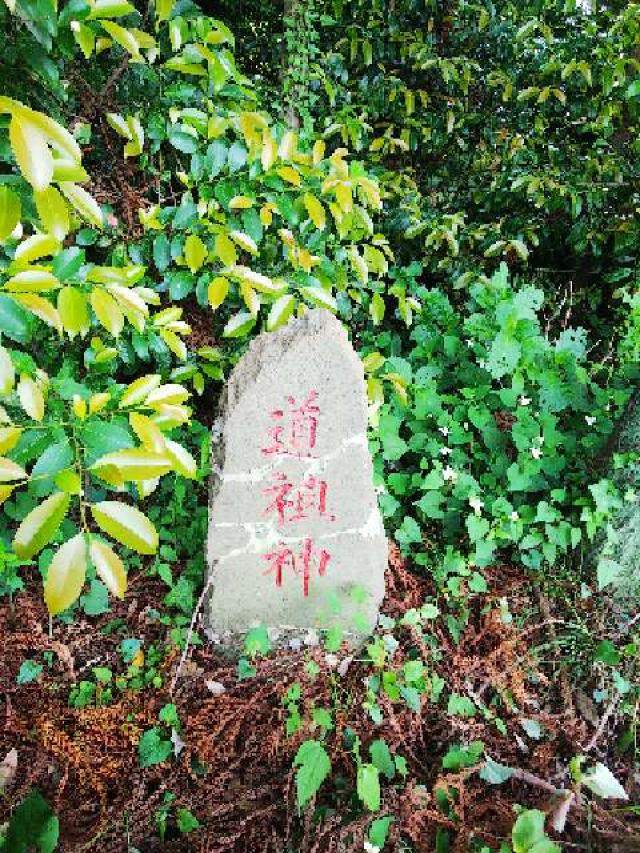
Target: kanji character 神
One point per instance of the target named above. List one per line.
(301, 564)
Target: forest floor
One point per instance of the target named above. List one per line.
(233, 770)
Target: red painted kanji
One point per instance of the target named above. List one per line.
(291, 502)
(301, 564)
(295, 428)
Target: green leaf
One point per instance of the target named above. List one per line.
(28, 672)
(127, 525)
(608, 572)
(528, 835)
(66, 575)
(186, 821)
(10, 211)
(381, 758)
(368, 786)
(239, 325)
(31, 151)
(153, 748)
(494, 773)
(603, 783)
(32, 825)
(14, 320)
(314, 766)
(40, 525)
(379, 830)
(55, 458)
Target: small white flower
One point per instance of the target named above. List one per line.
(607, 408)
(524, 401)
(590, 420)
(469, 342)
(514, 516)
(536, 452)
(540, 440)
(450, 474)
(476, 504)
(370, 848)
(444, 430)
(445, 451)
(481, 363)
(331, 660)
(466, 424)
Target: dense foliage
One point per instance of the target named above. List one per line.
(458, 182)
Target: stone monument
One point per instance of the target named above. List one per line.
(296, 541)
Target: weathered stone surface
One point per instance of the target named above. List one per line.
(296, 540)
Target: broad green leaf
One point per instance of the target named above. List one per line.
(280, 312)
(32, 152)
(9, 437)
(31, 398)
(528, 834)
(40, 525)
(148, 432)
(36, 246)
(377, 308)
(320, 297)
(256, 280)
(109, 567)
(11, 471)
(239, 325)
(42, 309)
(84, 203)
(603, 783)
(168, 394)
(244, 241)
(73, 311)
(107, 311)
(225, 250)
(217, 291)
(183, 462)
(314, 766)
(66, 575)
(135, 464)
(33, 280)
(110, 9)
(10, 211)
(53, 212)
(7, 372)
(55, 458)
(85, 38)
(127, 525)
(139, 390)
(315, 210)
(124, 38)
(153, 748)
(195, 252)
(368, 786)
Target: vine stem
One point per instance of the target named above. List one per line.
(192, 625)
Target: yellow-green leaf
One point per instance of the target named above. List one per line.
(166, 395)
(127, 525)
(34, 280)
(280, 312)
(73, 311)
(5, 492)
(31, 398)
(139, 390)
(31, 151)
(84, 203)
(42, 309)
(225, 250)
(10, 210)
(111, 8)
(183, 461)
(36, 246)
(11, 471)
(217, 291)
(135, 464)
(315, 210)
(84, 36)
(53, 212)
(195, 252)
(7, 372)
(289, 174)
(123, 37)
(107, 311)
(175, 343)
(240, 202)
(148, 432)
(40, 525)
(66, 575)
(9, 437)
(244, 241)
(109, 567)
